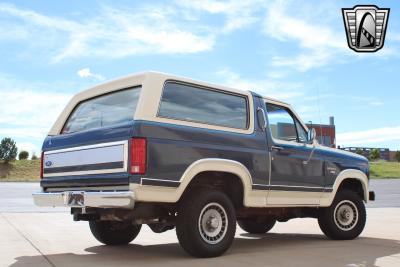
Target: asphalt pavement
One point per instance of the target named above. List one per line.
(31, 236)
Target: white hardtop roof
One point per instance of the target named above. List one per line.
(160, 75)
(148, 79)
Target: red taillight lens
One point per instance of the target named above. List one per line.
(41, 165)
(138, 155)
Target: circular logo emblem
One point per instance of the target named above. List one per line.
(48, 163)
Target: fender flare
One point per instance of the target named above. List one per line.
(172, 195)
(342, 176)
(218, 165)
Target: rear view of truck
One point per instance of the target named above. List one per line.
(88, 163)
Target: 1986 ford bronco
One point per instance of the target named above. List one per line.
(172, 152)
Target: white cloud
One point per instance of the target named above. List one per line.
(28, 109)
(385, 134)
(376, 103)
(269, 88)
(112, 33)
(238, 14)
(319, 43)
(31, 108)
(86, 73)
(30, 147)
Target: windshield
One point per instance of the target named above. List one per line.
(105, 110)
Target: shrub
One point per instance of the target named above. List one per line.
(23, 155)
(34, 157)
(375, 154)
(8, 149)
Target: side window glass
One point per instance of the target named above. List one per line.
(281, 123)
(190, 103)
(301, 132)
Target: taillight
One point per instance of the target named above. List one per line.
(138, 154)
(41, 165)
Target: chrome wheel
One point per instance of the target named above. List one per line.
(346, 215)
(213, 223)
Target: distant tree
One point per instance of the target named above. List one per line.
(359, 151)
(23, 155)
(397, 156)
(8, 149)
(374, 154)
(34, 157)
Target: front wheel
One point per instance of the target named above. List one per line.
(114, 233)
(345, 218)
(206, 223)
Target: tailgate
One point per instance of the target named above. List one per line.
(101, 158)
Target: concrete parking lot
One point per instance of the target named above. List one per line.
(31, 236)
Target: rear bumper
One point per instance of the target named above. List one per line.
(120, 199)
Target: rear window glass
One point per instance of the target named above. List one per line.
(189, 103)
(105, 110)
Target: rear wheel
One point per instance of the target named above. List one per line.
(345, 218)
(114, 233)
(206, 223)
(257, 225)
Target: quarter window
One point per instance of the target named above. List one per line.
(189, 103)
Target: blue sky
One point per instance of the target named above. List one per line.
(295, 52)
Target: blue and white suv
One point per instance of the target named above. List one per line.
(172, 152)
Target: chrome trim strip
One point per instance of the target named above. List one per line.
(159, 182)
(291, 188)
(88, 188)
(85, 147)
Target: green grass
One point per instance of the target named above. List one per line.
(383, 169)
(20, 171)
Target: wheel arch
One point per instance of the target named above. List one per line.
(215, 165)
(173, 195)
(348, 176)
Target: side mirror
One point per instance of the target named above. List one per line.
(311, 136)
(262, 121)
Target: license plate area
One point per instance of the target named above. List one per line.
(74, 199)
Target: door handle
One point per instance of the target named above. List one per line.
(277, 148)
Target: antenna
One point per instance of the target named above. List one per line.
(319, 115)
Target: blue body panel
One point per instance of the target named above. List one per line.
(172, 148)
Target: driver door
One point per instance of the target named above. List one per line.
(297, 174)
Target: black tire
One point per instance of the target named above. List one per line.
(199, 218)
(257, 225)
(345, 218)
(114, 233)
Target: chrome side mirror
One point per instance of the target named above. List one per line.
(311, 136)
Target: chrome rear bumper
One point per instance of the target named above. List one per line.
(120, 199)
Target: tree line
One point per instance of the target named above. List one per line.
(9, 151)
